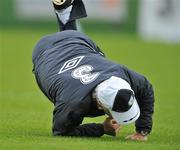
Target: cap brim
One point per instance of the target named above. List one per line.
(127, 117)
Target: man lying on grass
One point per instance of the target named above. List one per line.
(77, 78)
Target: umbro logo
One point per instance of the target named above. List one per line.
(71, 64)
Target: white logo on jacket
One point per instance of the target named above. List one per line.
(71, 64)
(83, 73)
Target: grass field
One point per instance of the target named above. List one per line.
(25, 114)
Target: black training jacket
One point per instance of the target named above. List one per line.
(67, 67)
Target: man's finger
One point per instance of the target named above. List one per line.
(128, 137)
(136, 137)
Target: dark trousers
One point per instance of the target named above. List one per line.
(78, 12)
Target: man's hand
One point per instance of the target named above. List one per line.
(137, 137)
(111, 127)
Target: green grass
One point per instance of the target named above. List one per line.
(26, 114)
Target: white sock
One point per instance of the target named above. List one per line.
(64, 14)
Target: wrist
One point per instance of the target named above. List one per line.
(143, 132)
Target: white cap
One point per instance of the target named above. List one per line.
(116, 95)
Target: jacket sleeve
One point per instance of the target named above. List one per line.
(69, 124)
(145, 97)
(87, 130)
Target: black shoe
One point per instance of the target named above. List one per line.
(62, 4)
